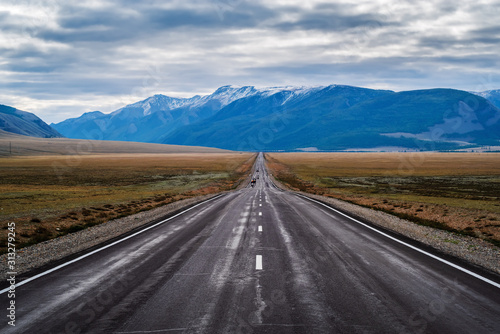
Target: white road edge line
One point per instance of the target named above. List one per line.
(104, 247)
(258, 262)
(495, 284)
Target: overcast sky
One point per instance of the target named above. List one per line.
(60, 59)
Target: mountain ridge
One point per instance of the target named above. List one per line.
(24, 123)
(334, 117)
(491, 95)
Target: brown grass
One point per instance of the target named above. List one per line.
(49, 196)
(17, 145)
(453, 191)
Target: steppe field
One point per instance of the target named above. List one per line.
(54, 194)
(459, 192)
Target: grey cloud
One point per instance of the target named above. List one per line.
(331, 17)
(93, 35)
(469, 41)
(447, 6)
(440, 43)
(493, 41)
(84, 18)
(109, 25)
(487, 31)
(30, 59)
(22, 51)
(392, 67)
(53, 85)
(3, 17)
(106, 51)
(478, 61)
(243, 16)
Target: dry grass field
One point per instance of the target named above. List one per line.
(51, 195)
(17, 145)
(459, 192)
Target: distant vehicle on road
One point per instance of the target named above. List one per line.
(252, 183)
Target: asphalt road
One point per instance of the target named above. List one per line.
(258, 260)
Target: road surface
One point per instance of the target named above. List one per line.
(258, 260)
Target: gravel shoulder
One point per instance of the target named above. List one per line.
(469, 249)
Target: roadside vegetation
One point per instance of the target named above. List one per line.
(458, 192)
(49, 196)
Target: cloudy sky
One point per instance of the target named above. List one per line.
(59, 58)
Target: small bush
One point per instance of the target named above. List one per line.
(41, 234)
(90, 221)
(39, 238)
(42, 230)
(86, 212)
(74, 228)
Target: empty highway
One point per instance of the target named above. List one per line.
(258, 260)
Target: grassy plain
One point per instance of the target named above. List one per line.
(17, 145)
(452, 191)
(51, 195)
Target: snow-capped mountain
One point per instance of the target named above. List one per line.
(491, 95)
(153, 118)
(226, 94)
(158, 102)
(332, 117)
(347, 118)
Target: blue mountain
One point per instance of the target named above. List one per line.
(151, 119)
(24, 123)
(332, 117)
(347, 118)
(491, 95)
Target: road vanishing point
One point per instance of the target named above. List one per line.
(258, 260)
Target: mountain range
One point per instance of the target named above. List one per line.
(491, 95)
(150, 120)
(289, 118)
(21, 122)
(332, 117)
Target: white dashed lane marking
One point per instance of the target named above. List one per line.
(258, 262)
(260, 228)
(260, 213)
